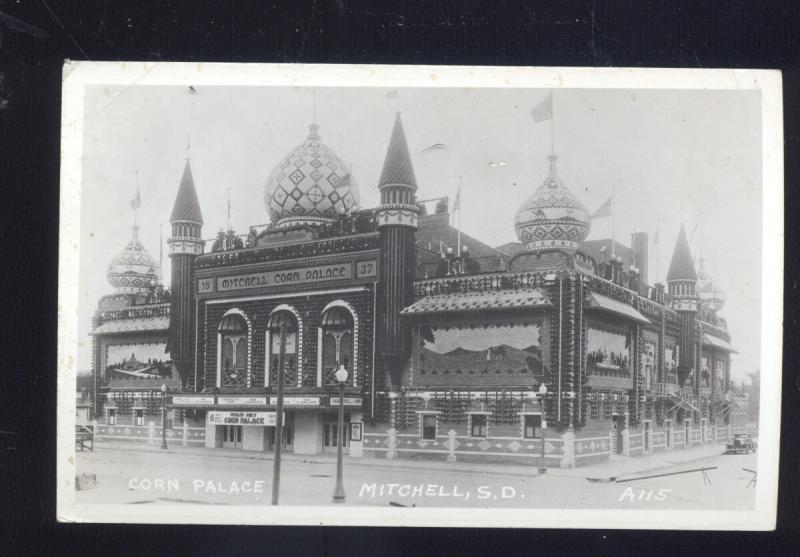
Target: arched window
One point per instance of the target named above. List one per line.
(286, 321)
(233, 334)
(336, 343)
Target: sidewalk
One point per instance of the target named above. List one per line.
(616, 467)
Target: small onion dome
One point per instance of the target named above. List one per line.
(709, 293)
(552, 218)
(133, 270)
(311, 185)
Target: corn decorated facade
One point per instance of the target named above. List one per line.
(546, 345)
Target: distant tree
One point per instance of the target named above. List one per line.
(753, 391)
(441, 205)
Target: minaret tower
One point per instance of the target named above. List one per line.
(396, 218)
(682, 284)
(184, 245)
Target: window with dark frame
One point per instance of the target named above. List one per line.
(532, 426)
(478, 425)
(429, 426)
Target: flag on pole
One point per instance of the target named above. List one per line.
(544, 110)
(655, 237)
(694, 229)
(457, 204)
(394, 94)
(136, 202)
(604, 210)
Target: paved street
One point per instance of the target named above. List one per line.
(146, 476)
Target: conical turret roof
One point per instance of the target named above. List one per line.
(186, 207)
(397, 167)
(681, 267)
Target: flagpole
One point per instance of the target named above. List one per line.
(459, 217)
(658, 248)
(229, 207)
(160, 247)
(613, 220)
(552, 122)
(136, 209)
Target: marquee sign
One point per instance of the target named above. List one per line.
(193, 400)
(217, 417)
(242, 401)
(347, 401)
(262, 402)
(297, 400)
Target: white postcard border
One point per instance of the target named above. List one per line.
(78, 75)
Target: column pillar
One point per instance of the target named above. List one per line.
(568, 438)
(451, 445)
(357, 447)
(626, 442)
(391, 454)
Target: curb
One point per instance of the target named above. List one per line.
(508, 470)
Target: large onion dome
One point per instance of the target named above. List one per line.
(311, 185)
(552, 218)
(708, 292)
(133, 270)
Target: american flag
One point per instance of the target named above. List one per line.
(604, 210)
(136, 202)
(544, 110)
(457, 204)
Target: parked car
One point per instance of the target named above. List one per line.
(742, 443)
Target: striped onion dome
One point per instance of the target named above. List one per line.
(310, 185)
(133, 270)
(553, 217)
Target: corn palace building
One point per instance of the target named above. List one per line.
(454, 349)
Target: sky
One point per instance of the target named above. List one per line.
(670, 156)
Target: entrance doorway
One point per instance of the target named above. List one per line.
(232, 436)
(669, 434)
(330, 434)
(647, 433)
(617, 425)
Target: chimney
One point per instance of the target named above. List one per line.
(639, 247)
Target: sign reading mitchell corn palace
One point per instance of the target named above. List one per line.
(447, 341)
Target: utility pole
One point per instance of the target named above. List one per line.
(276, 470)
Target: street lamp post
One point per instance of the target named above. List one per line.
(338, 492)
(542, 393)
(164, 416)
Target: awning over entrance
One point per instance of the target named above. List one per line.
(133, 325)
(604, 303)
(523, 298)
(715, 342)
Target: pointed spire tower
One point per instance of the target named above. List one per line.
(396, 218)
(185, 245)
(681, 267)
(682, 284)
